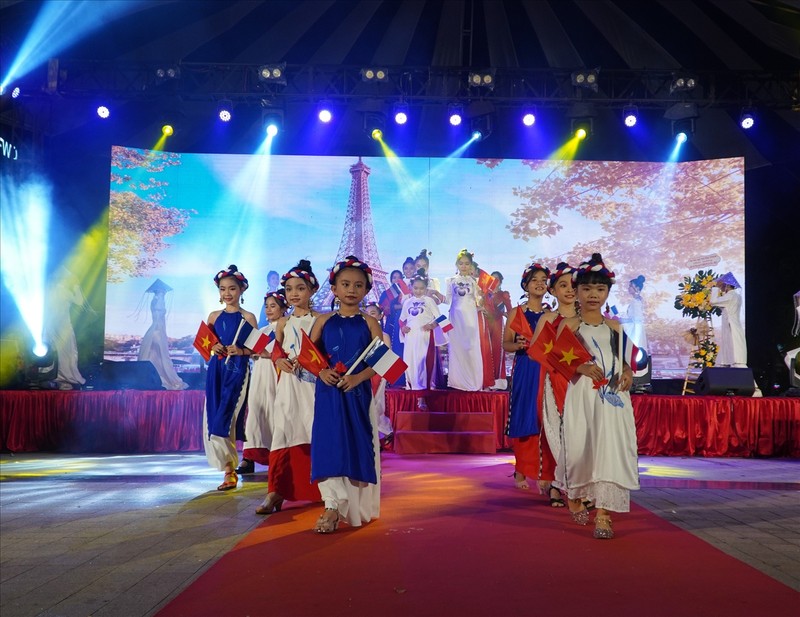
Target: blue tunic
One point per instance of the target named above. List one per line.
(523, 418)
(341, 435)
(224, 380)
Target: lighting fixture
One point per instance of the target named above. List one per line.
(747, 119)
(273, 73)
(455, 113)
(682, 83)
(586, 78)
(374, 74)
(482, 79)
(630, 115)
(401, 113)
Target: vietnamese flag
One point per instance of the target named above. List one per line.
(520, 324)
(204, 340)
(487, 283)
(276, 354)
(311, 358)
(542, 348)
(568, 354)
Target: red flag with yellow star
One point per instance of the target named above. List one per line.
(520, 323)
(542, 348)
(568, 354)
(204, 340)
(311, 358)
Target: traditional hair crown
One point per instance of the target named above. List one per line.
(232, 272)
(351, 262)
(301, 271)
(529, 271)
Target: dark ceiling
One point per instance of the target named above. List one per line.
(743, 50)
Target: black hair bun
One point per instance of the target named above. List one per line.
(304, 265)
(596, 258)
(352, 257)
(561, 265)
(233, 268)
(421, 272)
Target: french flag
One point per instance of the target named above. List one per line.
(256, 340)
(635, 358)
(398, 290)
(444, 323)
(385, 362)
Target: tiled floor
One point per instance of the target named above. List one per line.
(122, 535)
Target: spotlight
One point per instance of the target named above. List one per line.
(224, 110)
(15, 92)
(103, 112)
(482, 79)
(481, 127)
(682, 83)
(455, 113)
(273, 73)
(374, 123)
(681, 137)
(272, 121)
(477, 135)
(401, 113)
(374, 74)
(683, 129)
(585, 78)
(582, 128)
(747, 120)
(166, 73)
(529, 117)
(630, 115)
(167, 130)
(40, 350)
(376, 134)
(324, 113)
(581, 133)
(272, 129)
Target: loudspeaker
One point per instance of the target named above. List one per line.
(724, 380)
(136, 375)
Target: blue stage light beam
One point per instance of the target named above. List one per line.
(680, 139)
(25, 217)
(59, 24)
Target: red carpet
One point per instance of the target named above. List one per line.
(455, 538)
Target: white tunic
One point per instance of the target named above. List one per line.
(293, 413)
(465, 367)
(634, 323)
(732, 344)
(261, 400)
(597, 457)
(155, 345)
(416, 313)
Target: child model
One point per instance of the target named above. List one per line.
(227, 377)
(344, 443)
(598, 456)
(465, 364)
(293, 412)
(419, 316)
(261, 395)
(562, 286)
(523, 419)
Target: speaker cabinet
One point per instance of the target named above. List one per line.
(137, 375)
(726, 381)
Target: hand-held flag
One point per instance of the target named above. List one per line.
(568, 354)
(444, 323)
(630, 354)
(487, 283)
(311, 358)
(520, 324)
(204, 340)
(257, 341)
(542, 347)
(384, 361)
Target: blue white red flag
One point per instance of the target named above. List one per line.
(384, 361)
(633, 356)
(444, 323)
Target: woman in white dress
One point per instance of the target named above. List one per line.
(596, 459)
(289, 474)
(261, 395)
(419, 316)
(465, 366)
(66, 292)
(155, 345)
(634, 317)
(732, 344)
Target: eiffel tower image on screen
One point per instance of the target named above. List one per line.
(358, 238)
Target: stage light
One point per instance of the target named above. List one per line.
(477, 135)
(15, 92)
(481, 124)
(529, 118)
(482, 79)
(103, 112)
(272, 129)
(401, 113)
(681, 137)
(582, 127)
(167, 130)
(682, 83)
(324, 113)
(273, 73)
(271, 120)
(374, 121)
(630, 115)
(167, 73)
(40, 350)
(376, 134)
(585, 78)
(580, 133)
(455, 114)
(373, 74)
(225, 110)
(747, 120)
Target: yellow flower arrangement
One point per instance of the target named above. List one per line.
(693, 299)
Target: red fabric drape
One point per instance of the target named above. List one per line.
(136, 421)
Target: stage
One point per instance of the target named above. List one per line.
(143, 421)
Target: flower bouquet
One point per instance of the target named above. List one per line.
(705, 355)
(694, 294)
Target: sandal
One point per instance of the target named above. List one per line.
(521, 484)
(272, 503)
(581, 517)
(326, 523)
(602, 527)
(555, 502)
(589, 505)
(229, 481)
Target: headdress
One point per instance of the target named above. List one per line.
(351, 262)
(729, 279)
(529, 273)
(561, 269)
(638, 281)
(278, 296)
(420, 276)
(233, 272)
(301, 271)
(595, 265)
